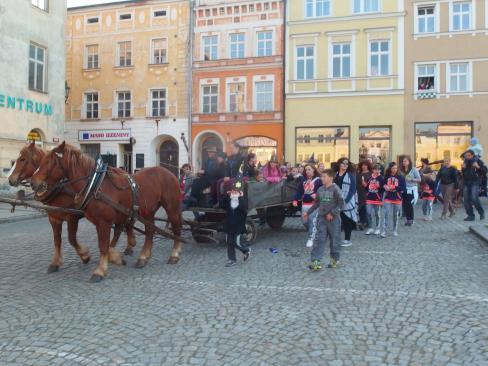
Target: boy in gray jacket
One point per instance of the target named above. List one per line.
(327, 223)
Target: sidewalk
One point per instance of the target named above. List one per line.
(21, 213)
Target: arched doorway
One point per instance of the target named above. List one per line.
(36, 136)
(168, 156)
(210, 142)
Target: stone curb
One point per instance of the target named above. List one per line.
(480, 231)
(8, 220)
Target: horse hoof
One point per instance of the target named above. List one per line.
(85, 260)
(173, 260)
(96, 278)
(141, 263)
(128, 251)
(52, 268)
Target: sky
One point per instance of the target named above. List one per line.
(72, 3)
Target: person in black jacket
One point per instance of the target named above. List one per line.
(235, 205)
(207, 176)
(472, 170)
(234, 162)
(448, 178)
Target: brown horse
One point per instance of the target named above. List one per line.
(25, 166)
(158, 187)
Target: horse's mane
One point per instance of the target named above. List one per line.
(77, 160)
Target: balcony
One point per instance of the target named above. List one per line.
(237, 117)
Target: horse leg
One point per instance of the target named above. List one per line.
(176, 222)
(148, 243)
(57, 261)
(81, 250)
(131, 241)
(117, 233)
(114, 256)
(103, 233)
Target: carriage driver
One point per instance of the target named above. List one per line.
(207, 176)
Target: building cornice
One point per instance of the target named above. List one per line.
(347, 18)
(307, 95)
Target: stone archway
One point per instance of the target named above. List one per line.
(169, 156)
(37, 136)
(202, 142)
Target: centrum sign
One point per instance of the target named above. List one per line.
(23, 104)
(104, 135)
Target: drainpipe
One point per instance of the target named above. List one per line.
(283, 50)
(190, 79)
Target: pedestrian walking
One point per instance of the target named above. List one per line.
(411, 193)
(235, 205)
(394, 188)
(346, 181)
(327, 222)
(427, 196)
(448, 179)
(472, 170)
(374, 200)
(363, 174)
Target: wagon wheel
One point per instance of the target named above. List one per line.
(249, 237)
(275, 217)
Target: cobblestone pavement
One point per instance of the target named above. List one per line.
(419, 299)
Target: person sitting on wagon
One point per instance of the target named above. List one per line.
(218, 178)
(250, 172)
(271, 171)
(206, 177)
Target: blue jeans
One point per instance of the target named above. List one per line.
(471, 196)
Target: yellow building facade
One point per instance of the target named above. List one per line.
(127, 67)
(344, 80)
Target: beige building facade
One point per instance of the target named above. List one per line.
(446, 73)
(128, 70)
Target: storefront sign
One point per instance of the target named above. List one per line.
(104, 135)
(23, 104)
(34, 136)
(256, 141)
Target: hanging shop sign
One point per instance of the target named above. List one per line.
(104, 135)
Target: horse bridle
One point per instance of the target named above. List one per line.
(30, 158)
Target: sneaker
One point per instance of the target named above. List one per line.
(346, 243)
(482, 216)
(443, 217)
(230, 263)
(369, 232)
(309, 243)
(333, 263)
(408, 223)
(377, 232)
(452, 213)
(469, 218)
(395, 233)
(315, 265)
(247, 255)
(383, 234)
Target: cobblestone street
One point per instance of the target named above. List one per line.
(419, 299)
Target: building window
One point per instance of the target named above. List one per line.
(265, 43)
(237, 45)
(305, 62)
(123, 104)
(159, 47)
(92, 20)
(41, 4)
(125, 53)
(92, 150)
(125, 16)
(37, 69)
(317, 8)
(91, 105)
(92, 56)
(236, 97)
(458, 77)
(158, 103)
(139, 161)
(209, 99)
(210, 48)
(264, 96)
(332, 142)
(374, 142)
(441, 139)
(380, 58)
(341, 60)
(366, 6)
(461, 15)
(426, 78)
(426, 19)
(159, 13)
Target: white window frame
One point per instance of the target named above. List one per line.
(238, 44)
(85, 104)
(119, 15)
(202, 86)
(153, 11)
(118, 54)
(436, 17)
(379, 53)
(305, 58)
(469, 78)
(152, 60)
(362, 7)
(92, 17)
(255, 94)
(88, 54)
(341, 56)
(314, 9)
(436, 78)
(39, 4)
(124, 101)
(258, 41)
(37, 62)
(472, 17)
(151, 100)
(204, 36)
(228, 94)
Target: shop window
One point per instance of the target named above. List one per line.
(374, 142)
(330, 142)
(92, 150)
(139, 161)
